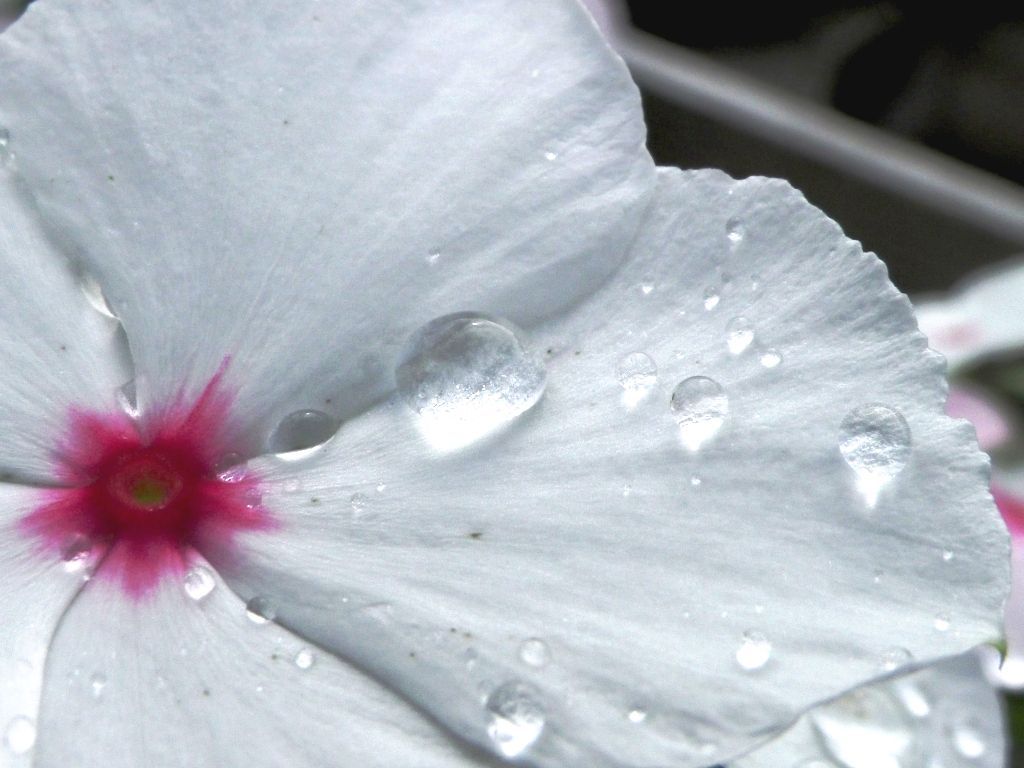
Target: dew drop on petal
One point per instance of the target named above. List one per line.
(711, 299)
(231, 468)
(754, 652)
(699, 406)
(301, 433)
(93, 292)
(941, 623)
(967, 740)
(637, 715)
(259, 610)
(947, 555)
(20, 735)
(894, 658)
(127, 400)
(867, 728)
(735, 231)
(358, 502)
(739, 335)
(199, 582)
(770, 358)
(516, 718)
(5, 145)
(912, 698)
(96, 685)
(433, 257)
(534, 652)
(76, 554)
(875, 441)
(637, 375)
(304, 658)
(466, 376)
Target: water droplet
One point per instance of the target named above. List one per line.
(637, 374)
(96, 685)
(756, 286)
(771, 358)
(735, 231)
(534, 652)
(875, 441)
(358, 502)
(93, 292)
(711, 299)
(894, 658)
(912, 698)
(230, 468)
(636, 715)
(304, 658)
(941, 622)
(739, 334)
(5, 145)
(20, 735)
(754, 652)
(646, 288)
(433, 257)
(864, 729)
(466, 376)
(260, 610)
(302, 433)
(127, 400)
(550, 155)
(76, 554)
(516, 718)
(967, 739)
(699, 405)
(199, 582)
(947, 555)
(695, 481)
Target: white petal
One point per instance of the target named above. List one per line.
(981, 318)
(183, 682)
(720, 591)
(298, 188)
(947, 714)
(34, 592)
(56, 350)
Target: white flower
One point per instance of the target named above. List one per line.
(626, 566)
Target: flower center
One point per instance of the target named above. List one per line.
(146, 481)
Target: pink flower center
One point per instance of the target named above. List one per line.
(142, 507)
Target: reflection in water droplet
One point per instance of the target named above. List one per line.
(754, 652)
(875, 441)
(550, 155)
(230, 468)
(864, 729)
(534, 652)
(947, 555)
(259, 610)
(76, 554)
(699, 406)
(304, 658)
(199, 582)
(770, 358)
(20, 735)
(967, 739)
(637, 375)
(895, 657)
(516, 718)
(301, 434)
(711, 299)
(646, 288)
(735, 231)
(96, 685)
(738, 335)
(466, 376)
(637, 715)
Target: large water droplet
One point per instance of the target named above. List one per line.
(516, 718)
(466, 376)
(754, 652)
(199, 582)
(875, 441)
(739, 335)
(94, 294)
(260, 610)
(534, 652)
(302, 433)
(865, 729)
(637, 374)
(20, 735)
(699, 405)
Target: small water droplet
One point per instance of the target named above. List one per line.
(252, 497)
(127, 399)
(695, 481)
(967, 739)
(259, 610)
(711, 299)
(947, 555)
(5, 145)
(913, 699)
(93, 292)
(534, 652)
(302, 433)
(699, 406)
(770, 358)
(739, 335)
(230, 468)
(756, 286)
(199, 582)
(466, 376)
(875, 441)
(646, 288)
(894, 658)
(433, 257)
(550, 155)
(941, 622)
(304, 658)
(637, 375)
(754, 651)
(636, 715)
(20, 735)
(735, 231)
(516, 718)
(76, 554)
(358, 502)
(96, 685)
(627, 491)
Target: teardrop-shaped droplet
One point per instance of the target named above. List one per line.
(20, 735)
(94, 294)
(865, 729)
(466, 376)
(894, 658)
(301, 433)
(199, 582)
(875, 441)
(754, 652)
(516, 718)
(699, 405)
(534, 652)
(739, 335)
(259, 610)
(637, 375)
